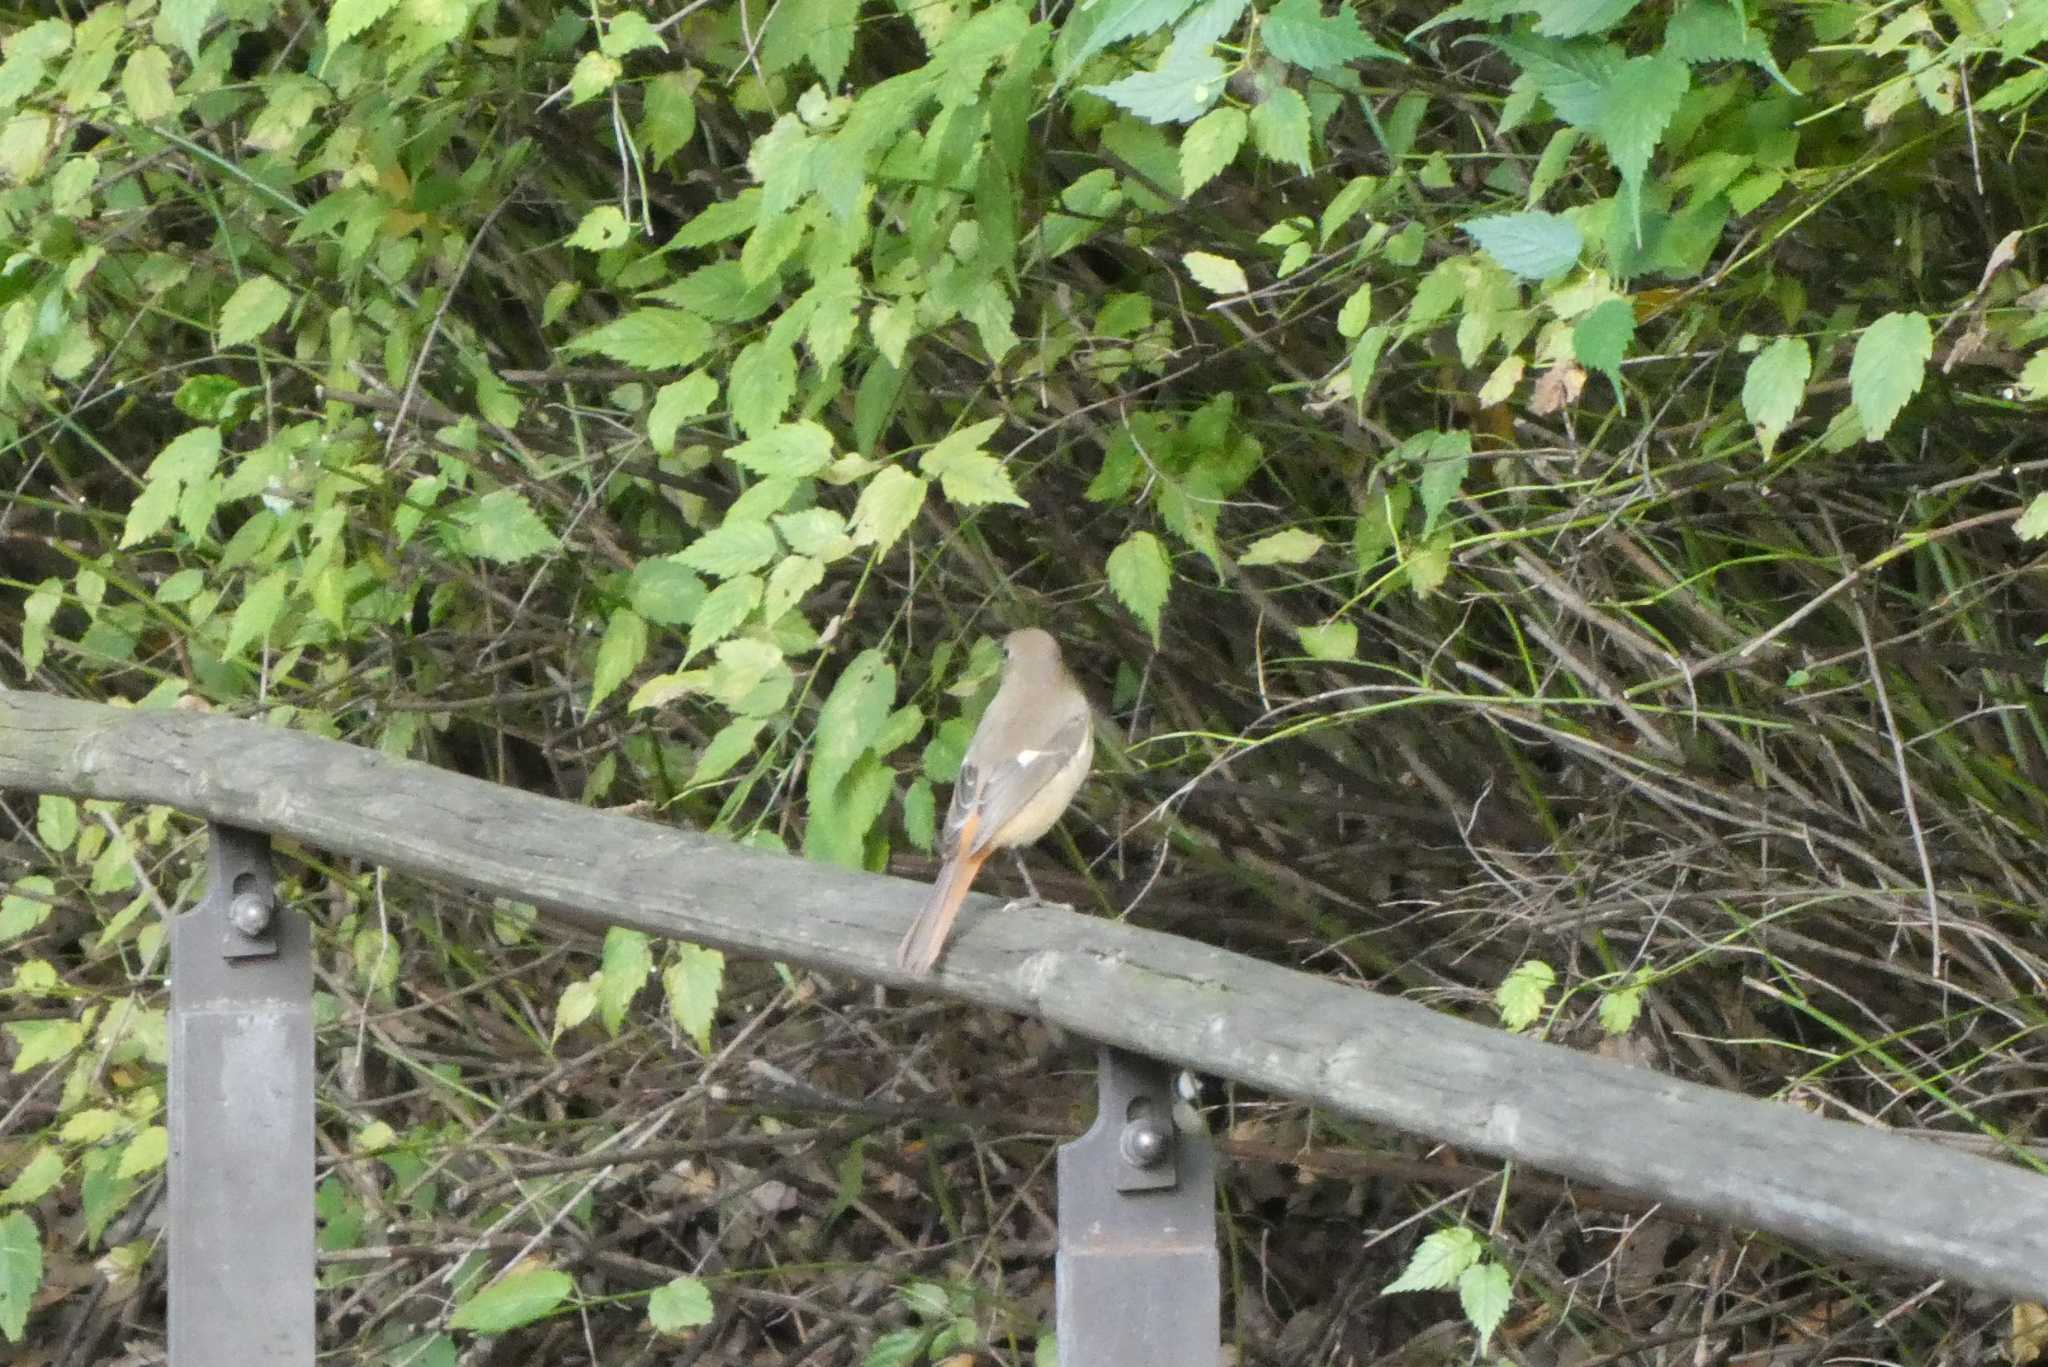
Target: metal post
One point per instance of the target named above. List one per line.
(241, 1080)
(1136, 1280)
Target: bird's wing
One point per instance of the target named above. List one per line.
(1002, 790)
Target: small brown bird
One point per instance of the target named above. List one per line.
(1027, 759)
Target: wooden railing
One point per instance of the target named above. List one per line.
(1741, 1161)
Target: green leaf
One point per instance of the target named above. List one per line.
(619, 654)
(1483, 1294)
(146, 81)
(664, 591)
(56, 822)
(733, 743)
(258, 613)
(251, 310)
(1186, 82)
(1438, 1261)
(502, 527)
(1141, 575)
(26, 905)
(1445, 462)
(518, 1299)
(671, 115)
(145, 1153)
(1888, 369)
(887, 507)
(675, 404)
(602, 229)
(41, 1042)
(652, 339)
(1210, 144)
(189, 459)
(627, 964)
(2034, 376)
(1521, 994)
(1601, 338)
(2033, 523)
(1330, 641)
(1290, 547)
(738, 548)
(1356, 313)
(626, 32)
(1572, 18)
(1774, 386)
(1280, 127)
(37, 1178)
(21, 1272)
(852, 716)
(1637, 106)
(897, 1348)
(1298, 31)
(684, 1303)
(968, 474)
(723, 609)
(1534, 245)
(1620, 1008)
(761, 384)
(1116, 20)
(693, 981)
(1217, 274)
(593, 74)
(791, 451)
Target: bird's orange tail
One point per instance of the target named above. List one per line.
(920, 948)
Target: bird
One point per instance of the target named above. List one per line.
(1027, 759)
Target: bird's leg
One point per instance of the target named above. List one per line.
(1031, 897)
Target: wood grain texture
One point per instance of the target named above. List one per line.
(1749, 1163)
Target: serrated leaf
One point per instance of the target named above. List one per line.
(675, 1306)
(1280, 127)
(1353, 318)
(652, 339)
(1534, 245)
(1330, 641)
(2033, 381)
(1636, 107)
(256, 304)
(146, 82)
(736, 548)
(693, 981)
(852, 717)
(1600, 340)
(1217, 274)
(1290, 547)
(594, 73)
(1210, 144)
(258, 612)
(1445, 462)
(888, 505)
(1141, 575)
(517, 1299)
(1483, 1295)
(761, 384)
(21, 1272)
(671, 114)
(627, 963)
(1438, 1261)
(1620, 1008)
(1889, 366)
(1774, 386)
(1183, 86)
(1298, 31)
(722, 610)
(602, 229)
(1573, 18)
(675, 404)
(967, 474)
(791, 451)
(2033, 523)
(501, 526)
(1116, 20)
(1522, 993)
(619, 654)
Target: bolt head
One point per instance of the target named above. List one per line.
(1144, 1143)
(250, 914)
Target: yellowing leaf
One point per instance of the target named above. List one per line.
(1217, 274)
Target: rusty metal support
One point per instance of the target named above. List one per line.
(241, 1120)
(1136, 1280)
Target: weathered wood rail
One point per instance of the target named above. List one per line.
(1746, 1162)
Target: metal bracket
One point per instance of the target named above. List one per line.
(1136, 1276)
(241, 1120)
